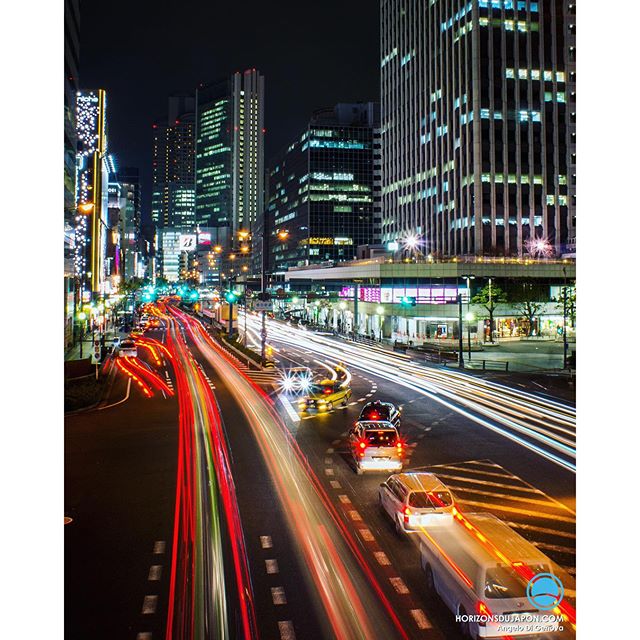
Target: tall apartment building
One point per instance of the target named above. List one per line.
(173, 192)
(91, 194)
(324, 188)
(478, 125)
(230, 155)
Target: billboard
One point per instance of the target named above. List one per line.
(187, 242)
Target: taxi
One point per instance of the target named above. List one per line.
(325, 395)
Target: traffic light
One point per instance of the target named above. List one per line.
(231, 297)
(408, 301)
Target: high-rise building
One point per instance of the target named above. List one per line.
(130, 224)
(324, 188)
(478, 125)
(230, 154)
(173, 195)
(91, 194)
(71, 55)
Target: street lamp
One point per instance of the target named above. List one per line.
(460, 344)
(470, 317)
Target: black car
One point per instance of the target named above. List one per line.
(378, 411)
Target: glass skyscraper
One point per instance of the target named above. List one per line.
(323, 188)
(478, 125)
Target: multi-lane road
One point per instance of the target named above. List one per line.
(205, 506)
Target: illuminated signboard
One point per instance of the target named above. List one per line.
(187, 242)
(204, 238)
(320, 240)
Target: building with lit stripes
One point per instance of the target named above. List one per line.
(230, 155)
(478, 126)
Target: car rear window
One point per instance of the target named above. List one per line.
(375, 413)
(430, 499)
(380, 437)
(127, 344)
(504, 582)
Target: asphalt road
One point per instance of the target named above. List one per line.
(121, 484)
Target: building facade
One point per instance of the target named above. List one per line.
(71, 55)
(90, 233)
(324, 189)
(173, 191)
(230, 155)
(478, 125)
(131, 241)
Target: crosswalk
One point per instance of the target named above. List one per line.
(482, 485)
(268, 377)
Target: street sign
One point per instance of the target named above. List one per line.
(263, 305)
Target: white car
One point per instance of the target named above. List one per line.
(376, 446)
(415, 500)
(128, 348)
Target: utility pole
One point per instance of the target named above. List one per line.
(460, 339)
(263, 278)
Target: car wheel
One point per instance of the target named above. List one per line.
(329, 406)
(344, 401)
(358, 470)
(465, 627)
(428, 578)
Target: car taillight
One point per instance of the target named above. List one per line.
(483, 610)
(407, 513)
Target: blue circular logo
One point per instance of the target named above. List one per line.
(545, 591)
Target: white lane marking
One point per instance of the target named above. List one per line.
(149, 604)
(367, 536)
(278, 595)
(502, 496)
(286, 630)
(381, 557)
(144, 635)
(155, 572)
(488, 483)
(328, 472)
(362, 399)
(328, 460)
(335, 442)
(291, 412)
(525, 512)
(335, 484)
(354, 402)
(399, 585)
(344, 499)
(119, 401)
(555, 547)
(551, 532)
(265, 542)
(159, 546)
(421, 619)
(329, 450)
(272, 566)
(369, 395)
(355, 516)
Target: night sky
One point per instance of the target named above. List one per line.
(312, 54)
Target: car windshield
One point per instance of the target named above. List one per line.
(321, 389)
(504, 582)
(380, 437)
(430, 499)
(127, 344)
(375, 412)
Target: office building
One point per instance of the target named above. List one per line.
(230, 155)
(90, 237)
(131, 241)
(478, 126)
(71, 55)
(324, 189)
(173, 191)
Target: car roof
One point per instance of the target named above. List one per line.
(377, 425)
(421, 481)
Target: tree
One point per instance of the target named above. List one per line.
(529, 310)
(489, 297)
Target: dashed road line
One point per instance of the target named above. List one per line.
(329, 450)
(335, 484)
(144, 635)
(524, 512)
(551, 532)
(271, 566)
(355, 516)
(366, 535)
(344, 499)
(155, 572)
(159, 547)
(420, 619)
(266, 542)
(328, 460)
(149, 604)
(399, 585)
(286, 630)
(381, 557)
(328, 472)
(278, 596)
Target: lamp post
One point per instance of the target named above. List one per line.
(470, 318)
(380, 314)
(460, 343)
(565, 344)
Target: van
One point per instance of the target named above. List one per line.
(479, 566)
(376, 446)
